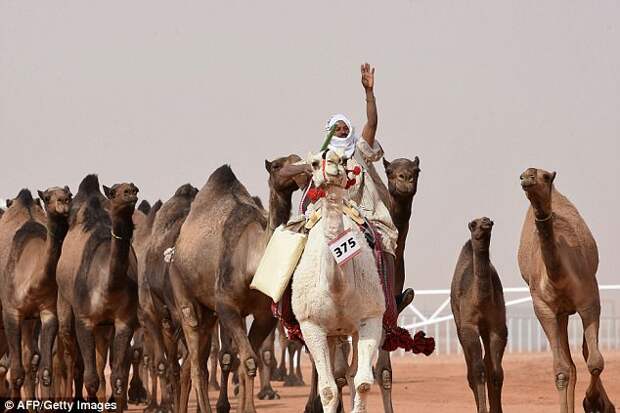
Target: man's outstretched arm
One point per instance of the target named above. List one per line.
(368, 81)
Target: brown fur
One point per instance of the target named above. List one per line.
(97, 279)
(477, 302)
(558, 259)
(31, 244)
(225, 220)
(156, 301)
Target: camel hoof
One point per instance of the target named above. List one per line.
(363, 388)
(137, 393)
(403, 300)
(268, 394)
(222, 408)
(598, 405)
(294, 381)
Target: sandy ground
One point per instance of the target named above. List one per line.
(438, 384)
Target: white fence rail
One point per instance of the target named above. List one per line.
(524, 331)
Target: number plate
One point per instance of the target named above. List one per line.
(345, 247)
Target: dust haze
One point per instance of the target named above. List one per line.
(162, 93)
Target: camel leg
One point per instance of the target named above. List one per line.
(30, 357)
(554, 327)
(316, 341)
(384, 377)
(4, 366)
(261, 331)
(137, 393)
(266, 367)
(470, 341)
(232, 321)
(49, 328)
(313, 404)
(596, 399)
(170, 379)
(280, 372)
(12, 327)
(123, 332)
(213, 357)
(228, 361)
(67, 348)
(369, 338)
(298, 373)
(185, 386)
(102, 345)
(494, 345)
(86, 341)
(197, 336)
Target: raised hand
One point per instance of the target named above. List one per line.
(368, 76)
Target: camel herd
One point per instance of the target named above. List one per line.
(90, 281)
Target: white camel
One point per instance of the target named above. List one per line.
(332, 301)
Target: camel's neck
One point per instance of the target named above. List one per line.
(333, 225)
(57, 227)
(482, 274)
(548, 246)
(400, 211)
(120, 247)
(279, 209)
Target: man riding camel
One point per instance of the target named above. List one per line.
(367, 190)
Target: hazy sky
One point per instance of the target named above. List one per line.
(162, 93)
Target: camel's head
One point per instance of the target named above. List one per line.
(538, 184)
(187, 191)
(402, 176)
(481, 232)
(122, 196)
(328, 168)
(57, 201)
(277, 181)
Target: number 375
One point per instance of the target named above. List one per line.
(344, 247)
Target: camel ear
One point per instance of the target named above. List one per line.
(472, 225)
(68, 191)
(268, 165)
(9, 202)
(416, 162)
(386, 163)
(553, 176)
(109, 193)
(42, 196)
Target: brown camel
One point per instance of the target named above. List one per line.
(156, 302)
(97, 280)
(558, 259)
(477, 301)
(143, 218)
(225, 221)
(30, 248)
(402, 175)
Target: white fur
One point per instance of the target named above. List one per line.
(330, 301)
